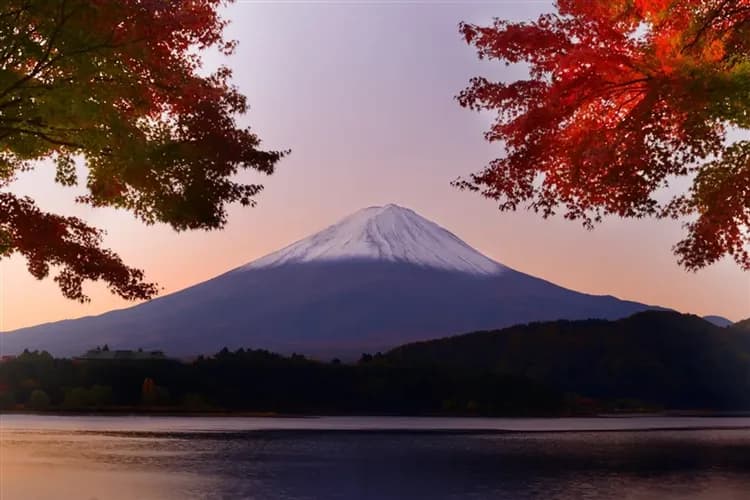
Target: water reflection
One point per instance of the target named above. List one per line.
(106, 463)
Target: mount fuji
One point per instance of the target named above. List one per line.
(381, 277)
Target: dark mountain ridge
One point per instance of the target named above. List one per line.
(661, 357)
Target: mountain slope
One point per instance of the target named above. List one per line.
(377, 279)
(661, 357)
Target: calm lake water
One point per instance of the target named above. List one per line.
(45, 457)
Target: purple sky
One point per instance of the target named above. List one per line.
(362, 92)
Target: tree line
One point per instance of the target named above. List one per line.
(651, 360)
(263, 382)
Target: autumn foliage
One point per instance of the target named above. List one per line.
(623, 98)
(116, 85)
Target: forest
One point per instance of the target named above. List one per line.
(662, 358)
(651, 361)
(261, 382)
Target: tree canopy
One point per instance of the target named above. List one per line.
(623, 98)
(116, 84)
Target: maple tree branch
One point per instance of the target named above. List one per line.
(41, 135)
(26, 230)
(716, 14)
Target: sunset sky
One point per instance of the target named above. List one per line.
(363, 94)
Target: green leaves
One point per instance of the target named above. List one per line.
(720, 195)
(114, 83)
(65, 166)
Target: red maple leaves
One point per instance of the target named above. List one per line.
(622, 98)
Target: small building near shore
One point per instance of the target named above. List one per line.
(105, 354)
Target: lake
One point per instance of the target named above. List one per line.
(140, 457)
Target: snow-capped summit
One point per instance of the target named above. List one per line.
(387, 233)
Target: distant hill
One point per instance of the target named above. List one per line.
(720, 321)
(660, 357)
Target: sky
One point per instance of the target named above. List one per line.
(363, 95)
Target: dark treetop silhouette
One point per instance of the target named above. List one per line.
(623, 96)
(115, 83)
(652, 360)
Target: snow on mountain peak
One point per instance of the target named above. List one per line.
(390, 233)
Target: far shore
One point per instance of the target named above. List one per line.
(151, 412)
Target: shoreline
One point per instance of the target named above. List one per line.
(236, 429)
(273, 415)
